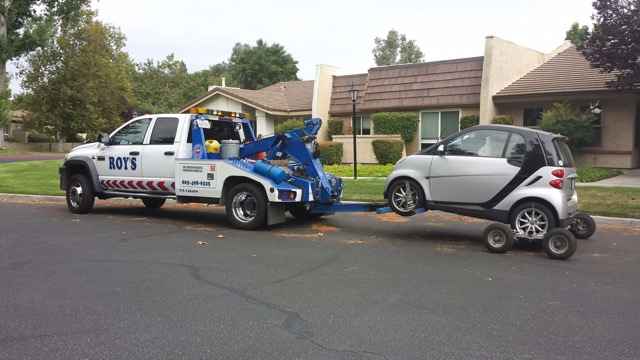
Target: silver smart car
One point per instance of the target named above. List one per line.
(513, 175)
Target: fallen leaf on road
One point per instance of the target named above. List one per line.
(220, 236)
(202, 243)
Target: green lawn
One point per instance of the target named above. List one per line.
(30, 177)
(8, 151)
(41, 177)
(364, 170)
(591, 174)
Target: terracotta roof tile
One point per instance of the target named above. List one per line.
(567, 72)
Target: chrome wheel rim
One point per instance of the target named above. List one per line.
(75, 194)
(532, 223)
(244, 206)
(405, 197)
(558, 244)
(496, 238)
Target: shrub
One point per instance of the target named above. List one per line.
(566, 119)
(387, 151)
(469, 121)
(404, 124)
(502, 120)
(288, 125)
(38, 138)
(591, 174)
(331, 153)
(336, 127)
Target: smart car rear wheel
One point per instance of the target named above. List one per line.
(405, 196)
(532, 220)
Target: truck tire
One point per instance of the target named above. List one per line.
(559, 244)
(79, 194)
(582, 226)
(405, 197)
(246, 206)
(498, 238)
(153, 203)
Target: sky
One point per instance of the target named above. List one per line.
(339, 33)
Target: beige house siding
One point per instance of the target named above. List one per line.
(364, 147)
(619, 148)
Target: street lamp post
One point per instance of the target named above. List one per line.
(354, 98)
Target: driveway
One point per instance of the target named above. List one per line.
(125, 283)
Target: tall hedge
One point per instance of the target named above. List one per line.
(336, 127)
(331, 153)
(288, 125)
(404, 124)
(387, 151)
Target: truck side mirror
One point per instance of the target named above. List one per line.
(104, 138)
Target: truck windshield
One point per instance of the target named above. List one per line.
(565, 158)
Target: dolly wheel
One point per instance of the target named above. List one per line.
(559, 244)
(498, 238)
(582, 226)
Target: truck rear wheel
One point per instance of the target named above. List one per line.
(246, 206)
(79, 194)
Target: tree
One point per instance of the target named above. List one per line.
(26, 25)
(255, 67)
(5, 105)
(396, 49)
(80, 82)
(577, 34)
(566, 119)
(613, 45)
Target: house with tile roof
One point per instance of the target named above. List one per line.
(508, 79)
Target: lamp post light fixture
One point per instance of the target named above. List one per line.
(354, 98)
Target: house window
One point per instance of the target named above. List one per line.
(436, 125)
(363, 125)
(532, 116)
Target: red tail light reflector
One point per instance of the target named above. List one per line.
(556, 183)
(559, 173)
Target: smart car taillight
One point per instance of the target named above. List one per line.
(559, 173)
(556, 183)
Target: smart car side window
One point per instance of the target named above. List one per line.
(132, 134)
(516, 149)
(481, 143)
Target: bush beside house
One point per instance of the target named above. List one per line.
(387, 151)
(289, 125)
(336, 127)
(330, 153)
(469, 121)
(566, 119)
(404, 124)
(502, 120)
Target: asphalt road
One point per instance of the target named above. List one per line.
(124, 283)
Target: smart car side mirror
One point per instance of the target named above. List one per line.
(440, 150)
(104, 138)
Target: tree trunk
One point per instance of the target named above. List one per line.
(4, 80)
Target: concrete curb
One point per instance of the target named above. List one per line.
(61, 197)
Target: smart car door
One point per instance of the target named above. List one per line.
(473, 167)
(119, 163)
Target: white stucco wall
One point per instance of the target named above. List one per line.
(322, 87)
(219, 102)
(504, 63)
(263, 124)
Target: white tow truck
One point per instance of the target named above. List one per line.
(165, 156)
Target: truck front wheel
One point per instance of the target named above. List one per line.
(246, 206)
(79, 194)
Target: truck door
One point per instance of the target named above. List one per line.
(159, 155)
(119, 163)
